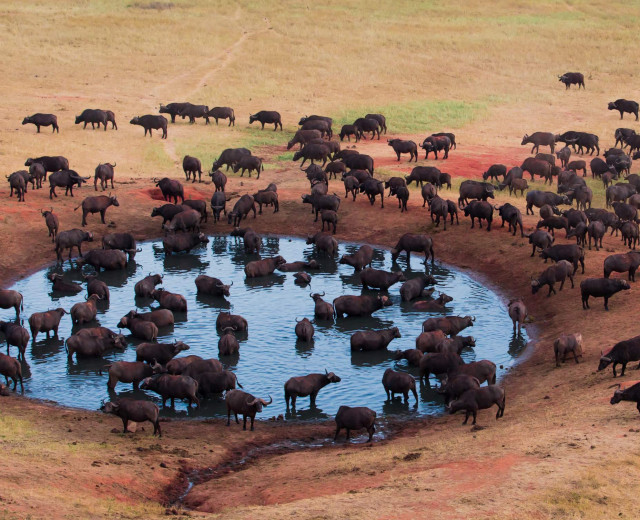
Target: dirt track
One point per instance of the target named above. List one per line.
(557, 430)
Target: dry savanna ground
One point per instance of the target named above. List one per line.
(487, 72)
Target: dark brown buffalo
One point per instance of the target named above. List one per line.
(510, 214)
(374, 339)
(494, 171)
(193, 111)
(159, 317)
(96, 286)
(187, 220)
(267, 117)
(171, 189)
(414, 288)
(540, 139)
(570, 252)
(359, 305)
(481, 210)
(435, 144)
(84, 345)
(235, 321)
(173, 109)
(192, 166)
(183, 242)
(324, 242)
(104, 174)
(173, 387)
(229, 157)
(355, 418)
(550, 276)
(323, 310)
(400, 146)
(268, 198)
(458, 385)
(601, 288)
(304, 329)
(167, 212)
(66, 179)
(160, 352)
(300, 265)
(622, 263)
(128, 372)
(450, 325)
(436, 305)
(93, 116)
(70, 239)
(228, 344)
(168, 300)
(60, 285)
(16, 336)
(135, 411)
(84, 312)
(212, 286)
(263, 267)
(45, 120)
(147, 285)
(18, 184)
(366, 125)
(479, 399)
(11, 368)
(380, 279)
(46, 322)
(413, 356)
(97, 204)
(241, 209)
(572, 78)
(223, 113)
(358, 162)
(218, 205)
(399, 383)
(358, 260)
(417, 243)
(247, 405)
(141, 329)
(150, 123)
(249, 163)
(107, 259)
(483, 370)
(438, 363)
(621, 353)
(348, 131)
(9, 298)
(475, 190)
(210, 383)
(321, 201)
(219, 179)
(622, 106)
(309, 385)
(38, 174)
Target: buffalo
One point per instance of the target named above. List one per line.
(540, 139)
(550, 276)
(70, 239)
(399, 383)
(355, 418)
(135, 411)
(601, 288)
(359, 305)
(620, 354)
(567, 344)
(266, 117)
(150, 123)
(622, 106)
(173, 387)
(572, 78)
(479, 399)
(369, 340)
(309, 385)
(243, 403)
(50, 120)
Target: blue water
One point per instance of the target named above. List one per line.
(269, 353)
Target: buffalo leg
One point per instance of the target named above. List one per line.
(335, 438)
(371, 430)
(125, 421)
(102, 215)
(606, 303)
(348, 433)
(156, 428)
(466, 417)
(228, 409)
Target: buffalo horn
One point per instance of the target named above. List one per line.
(473, 318)
(612, 386)
(265, 402)
(251, 403)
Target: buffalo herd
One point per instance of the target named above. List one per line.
(438, 346)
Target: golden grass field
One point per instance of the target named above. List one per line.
(486, 71)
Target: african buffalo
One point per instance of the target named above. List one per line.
(150, 122)
(601, 288)
(355, 418)
(243, 403)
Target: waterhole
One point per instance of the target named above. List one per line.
(269, 352)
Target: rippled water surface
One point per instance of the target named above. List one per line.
(269, 353)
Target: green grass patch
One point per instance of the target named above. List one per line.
(420, 116)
